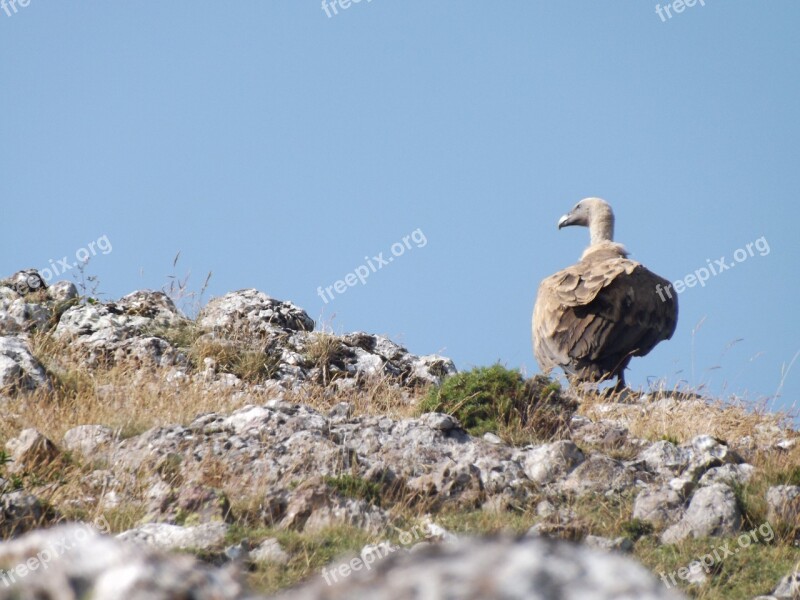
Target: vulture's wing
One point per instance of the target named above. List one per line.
(596, 314)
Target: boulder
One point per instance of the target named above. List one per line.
(522, 569)
(713, 511)
(19, 369)
(74, 561)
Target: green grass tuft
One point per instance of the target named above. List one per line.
(497, 399)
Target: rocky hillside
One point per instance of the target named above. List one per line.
(243, 454)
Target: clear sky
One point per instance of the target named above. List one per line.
(282, 148)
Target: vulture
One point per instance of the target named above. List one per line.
(591, 318)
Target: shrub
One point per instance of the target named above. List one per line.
(500, 400)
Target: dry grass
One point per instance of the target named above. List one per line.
(127, 397)
(688, 416)
(370, 396)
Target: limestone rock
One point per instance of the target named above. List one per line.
(205, 537)
(620, 544)
(73, 561)
(660, 507)
(19, 369)
(86, 439)
(29, 450)
(788, 588)
(599, 475)
(252, 314)
(783, 505)
(269, 551)
(713, 511)
(20, 512)
(731, 474)
(119, 330)
(547, 463)
(524, 569)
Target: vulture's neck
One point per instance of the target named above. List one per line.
(601, 228)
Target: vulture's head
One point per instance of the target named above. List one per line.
(594, 213)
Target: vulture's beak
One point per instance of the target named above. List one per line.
(566, 221)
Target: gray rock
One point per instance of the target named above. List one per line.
(122, 329)
(73, 561)
(525, 569)
(246, 321)
(341, 412)
(252, 314)
(544, 464)
(280, 445)
(19, 370)
(730, 474)
(440, 421)
(707, 452)
(312, 507)
(684, 486)
(430, 369)
(378, 355)
(713, 511)
(492, 438)
(599, 475)
(25, 282)
(178, 497)
(687, 462)
(29, 450)
(269, 551)
(602, 434)
(108, 489)
(87, 439)
(157, 307)
(620, 544)
(62, 291)
(783, 505)
(788, 588)
(205, 537)
(665, 458)
(17, 315)
(26, 303)
(19, 512)
(660, 507)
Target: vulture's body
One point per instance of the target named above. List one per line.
(591, 318)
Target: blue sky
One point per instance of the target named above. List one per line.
(281, 148)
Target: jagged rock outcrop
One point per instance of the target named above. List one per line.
(139, 328)
(125, 329)
(252, 314)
